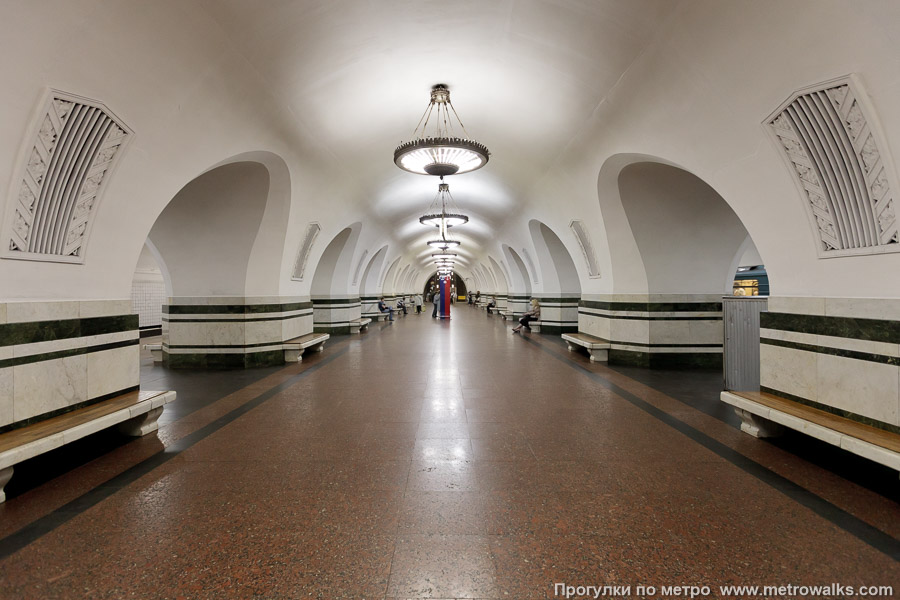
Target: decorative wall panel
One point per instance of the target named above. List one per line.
(587, 248)
(829, 136)
(70, 158)
(312, 232)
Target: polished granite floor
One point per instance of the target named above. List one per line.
(428, 459)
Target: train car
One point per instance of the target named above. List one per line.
(751, 281)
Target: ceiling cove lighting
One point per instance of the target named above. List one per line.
(439, 149)
(443, 212)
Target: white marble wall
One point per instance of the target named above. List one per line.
(333, 314)
(840, 353)
(92, 352)
(233, 325)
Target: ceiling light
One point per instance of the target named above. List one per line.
(439, 150)
(443, 212)
(446, 255)
(443, 243)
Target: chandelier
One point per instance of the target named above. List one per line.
(443, 243)
(438, 150)
(443, 202)
(444, 255)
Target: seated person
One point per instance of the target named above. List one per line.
(401, 304)
(382, 307)
(492, 303)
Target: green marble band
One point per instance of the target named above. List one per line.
(653, 306)
(666, 360)
(15, 334)
(232, 309)
(246, 320)
(832, 410)
(248, 360)
(66, 409)
(45, 356)
(867, 356)
(642, 318)
(320, 301)
(873, 330)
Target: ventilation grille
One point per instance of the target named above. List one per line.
(831, 141)
(359, 266)
(312, 232)
(530, 265)
(587, 248)
(77, 144)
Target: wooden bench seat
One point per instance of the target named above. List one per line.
(360, 324)
(597, 348)
(135, 413)
(155, 351)
(294, 348)
(765, 415)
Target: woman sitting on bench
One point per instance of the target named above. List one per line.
(533, 315)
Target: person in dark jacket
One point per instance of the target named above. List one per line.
(532, 315)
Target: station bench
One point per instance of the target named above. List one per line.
(766, 415)
(360, 324)
(135, 413)
(597, 348)
(294, 348)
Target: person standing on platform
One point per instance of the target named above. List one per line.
(435, 300)
(532, 315)
(418, 304)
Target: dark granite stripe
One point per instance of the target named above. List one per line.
(850, 523)
(66, 409)
(831, 409)
(223, 346)
(640, 318)
(232, 309)
(45, 331)
(654, 306)
(867, 356)
(644, 345)
(573, 300)
(244, 320)
(874, 330)
(319, 301)
(45, 356)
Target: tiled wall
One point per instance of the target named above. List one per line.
(841, 355)
(59, 356)
(147, 300)
(657, 330)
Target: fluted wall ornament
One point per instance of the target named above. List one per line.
(75, 145)
(829, 136)
(436, 147)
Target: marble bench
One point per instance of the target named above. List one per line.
(765, 415)
(597, 348)
(135, 414)
(155, 351)
(294, 348)
(360, 324)
(382, 316)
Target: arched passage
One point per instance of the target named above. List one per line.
(369, 290)
(673, 242)
(333, 306)
(561, 287)
(220, 240)
(520, 286)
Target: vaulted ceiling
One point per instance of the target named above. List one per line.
(524, 76)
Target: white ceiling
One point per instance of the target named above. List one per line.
(524, 76)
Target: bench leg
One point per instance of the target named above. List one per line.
(320, 347)
(757, 426)
(599, 355)
(142, 424)
(5, 475)
(293, 355)
(570, 347)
